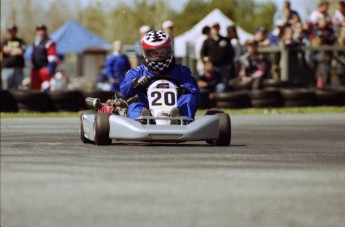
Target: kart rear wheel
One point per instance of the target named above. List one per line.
(82, 134)
(224, 130)
(102, 129)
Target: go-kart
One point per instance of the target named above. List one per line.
(108, 121)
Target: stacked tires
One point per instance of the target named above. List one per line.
(70, 101)
(235, 99)
(8, 103)
(33, 101)
(298, 97)
(269, 97)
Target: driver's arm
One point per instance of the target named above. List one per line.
(126, 87)
(188, 81)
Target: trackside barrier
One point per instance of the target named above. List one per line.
(273, 95)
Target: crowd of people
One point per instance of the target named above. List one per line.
(222, 62)
(44, 61)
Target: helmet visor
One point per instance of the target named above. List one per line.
(158, 54)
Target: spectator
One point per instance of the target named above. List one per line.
(206, 33)
(116, 66)
(253, 67)
(341, 37)
(339, 16)
(298, 68)
(233, 37)
(322, 35)
(209, 80)
(102, 80)
(261, 38)
(168, 26)
(13, 61)
(285, 14)
(341, 57)
(58, 82)
(138, 51)
(320, 12)
(44, 59)
(220, 52)
(275, 36)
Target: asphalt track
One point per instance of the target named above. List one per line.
(286, 170)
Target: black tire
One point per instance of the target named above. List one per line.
(297, 94)
(235, 99)
(33, 101)
(8, 104)
(271, 83)
(261, 103)
(67, 100)
(224, 130)
(297, 103)
(227, 105)
(102, 129)
(298, 97)
(82, 137)
(271, 93)
(212, 112)
(330, 97)
(235, 96)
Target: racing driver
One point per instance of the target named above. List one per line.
(159, 60)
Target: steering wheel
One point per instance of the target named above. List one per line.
(165, 77)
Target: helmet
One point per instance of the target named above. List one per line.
(158, 51)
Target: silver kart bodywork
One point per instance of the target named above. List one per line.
(123, 128)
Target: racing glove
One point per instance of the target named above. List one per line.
(142, 82)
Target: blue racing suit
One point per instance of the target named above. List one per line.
(187, 103)
(116, 66)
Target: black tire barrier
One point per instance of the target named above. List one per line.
(33, 101)
(298, 97)
(294, 103)
(8, 103)
(204, 100)
(330, 97)
(235, 99)
(270, 83)
(338, 88)
(70, 101)
(269, 97)
(241, 86)
(265, 94)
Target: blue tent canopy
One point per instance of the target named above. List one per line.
(72, 37)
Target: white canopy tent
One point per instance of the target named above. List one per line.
(195, 32)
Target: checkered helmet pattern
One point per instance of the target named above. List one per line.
(160, 65)
(156, 40)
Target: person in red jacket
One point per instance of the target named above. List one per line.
(44, 59)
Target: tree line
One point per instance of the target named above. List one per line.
(121, 20)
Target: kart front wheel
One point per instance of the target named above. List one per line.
(82, 133)
(224, 138)
(102, 129)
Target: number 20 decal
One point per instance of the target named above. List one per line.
(169, 98)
